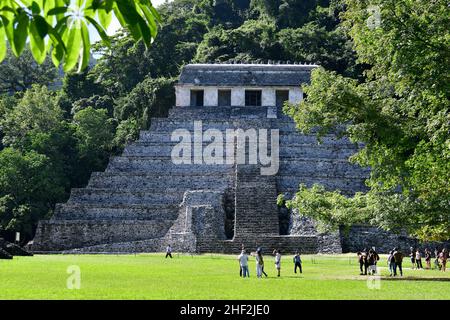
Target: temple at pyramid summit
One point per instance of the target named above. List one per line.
(188, 182)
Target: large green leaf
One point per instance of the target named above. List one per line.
(104, 17)
(73, 45)
(3, 48)
(21, 33)
(48, 5)
(33, 20)
(86, 47)
(100, 30)
(37, 44)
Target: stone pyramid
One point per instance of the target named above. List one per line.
(143, 201)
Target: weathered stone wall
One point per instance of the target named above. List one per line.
(69, 234)
(256, 209)
(359, 237)
(140, 202)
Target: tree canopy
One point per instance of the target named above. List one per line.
(399, 113)
(383, 83)
(60, 27)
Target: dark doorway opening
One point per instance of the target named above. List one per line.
(281, 97)
(224, 98)
(229, 207)
(197, 98)
(253, 98)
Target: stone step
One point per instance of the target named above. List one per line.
(58, 235)
(107, 211)
(169, 125)
(114, 196)
(290, 191)
(217, 112)
(161, 166)
(164, 137)
(287, 183)
(301, 150)
(339, 167)
(144, 181)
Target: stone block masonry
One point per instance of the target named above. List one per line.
(143, 201)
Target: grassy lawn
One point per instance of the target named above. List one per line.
(150, 276)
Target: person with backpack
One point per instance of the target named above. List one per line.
(398, 259)
(243, 262)
(297, 262)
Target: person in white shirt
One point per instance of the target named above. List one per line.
(243, 261)
(277, 260)
(169, 251)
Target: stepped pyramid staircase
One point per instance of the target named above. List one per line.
(143, 201)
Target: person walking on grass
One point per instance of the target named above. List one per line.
(365, 261)
(297, 262)
(398, 259)
(436, 259)
(169, 251)
(419, 260)
(391, 263)
(412, 255)
(277, 260)
(375, 258)
(243, 262)
(428, 258)
(362, 259)
(240, 268)
(259, 263)
(443, 257)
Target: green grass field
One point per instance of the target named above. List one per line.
(150, 276)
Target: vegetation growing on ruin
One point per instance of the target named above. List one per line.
(399, 114)
(388, 82)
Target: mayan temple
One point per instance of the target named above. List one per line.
(145, 200)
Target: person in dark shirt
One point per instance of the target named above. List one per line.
(412, 255)
(428, 258)
(297, 262)
(398, 258)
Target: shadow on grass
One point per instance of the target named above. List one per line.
(414, 279)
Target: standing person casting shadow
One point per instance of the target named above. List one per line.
(277, 260)
(398, 258)
(259, 263)
(243, 261)
(169, 251)
(297, 262)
